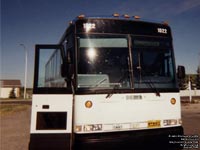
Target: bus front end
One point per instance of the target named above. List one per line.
(126, 88)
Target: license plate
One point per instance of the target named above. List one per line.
(154, 124)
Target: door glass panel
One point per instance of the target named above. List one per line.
(49, 74)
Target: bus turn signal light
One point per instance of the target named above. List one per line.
(173, 101)
(88, 104)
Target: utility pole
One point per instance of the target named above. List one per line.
(189, 87)
(25, 72)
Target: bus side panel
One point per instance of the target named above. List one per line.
(51, 122)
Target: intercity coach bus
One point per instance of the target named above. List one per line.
(110, 83)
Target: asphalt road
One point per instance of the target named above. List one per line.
(15, 127)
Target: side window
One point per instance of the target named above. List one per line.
(48, 68)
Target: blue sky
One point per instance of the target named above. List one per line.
(33, 22)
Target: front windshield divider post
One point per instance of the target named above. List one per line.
(130, 61)
(139, 67)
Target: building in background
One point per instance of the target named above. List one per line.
(10, 88)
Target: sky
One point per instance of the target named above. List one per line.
(31, 22)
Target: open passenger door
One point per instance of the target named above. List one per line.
(52, 103)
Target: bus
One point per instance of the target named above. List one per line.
(110, 83)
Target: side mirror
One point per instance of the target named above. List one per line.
(63, 69)
(181, 72)
(66, 70)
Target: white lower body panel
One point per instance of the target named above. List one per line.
(123, 112)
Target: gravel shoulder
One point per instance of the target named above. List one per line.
(191, 118)
(14, 130)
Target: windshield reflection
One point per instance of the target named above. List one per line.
(102, 62)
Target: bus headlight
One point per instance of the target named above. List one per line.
(180, 121)
(93, 127)
(78, 128)
(170, 122)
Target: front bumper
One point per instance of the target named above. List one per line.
(164, 138)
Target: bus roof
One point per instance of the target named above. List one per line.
(120, 24)
(123, 17)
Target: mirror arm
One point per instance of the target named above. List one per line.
(181, 72)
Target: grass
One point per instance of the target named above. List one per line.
(12, 108)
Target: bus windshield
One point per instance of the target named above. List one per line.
(103, 62)
(106, 61)
(153, 65)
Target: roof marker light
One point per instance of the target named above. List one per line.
(116, 15)
(136, 17)
(81, 16)
(165, 23)
(126, 16)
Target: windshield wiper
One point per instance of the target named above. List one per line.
(152, 86)
(150, 83)
(116, 86)
(113, 90)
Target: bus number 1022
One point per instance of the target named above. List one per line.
(162, 30)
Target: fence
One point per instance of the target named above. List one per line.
(184, 93)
